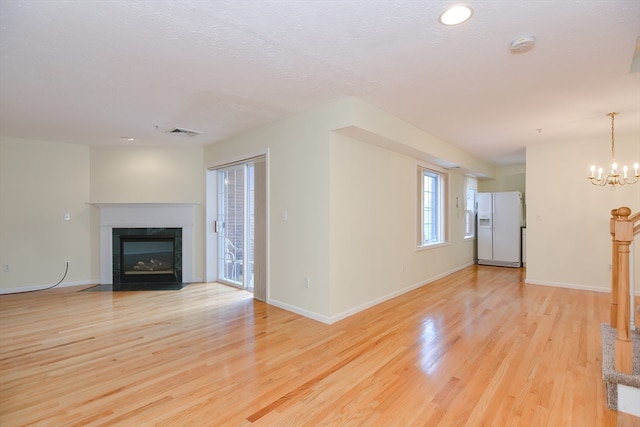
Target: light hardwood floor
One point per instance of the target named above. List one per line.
(475, 348)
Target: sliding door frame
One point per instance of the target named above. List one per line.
(211, 210)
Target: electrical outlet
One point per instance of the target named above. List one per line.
(307, 282)
(67, 261)
(6, 268)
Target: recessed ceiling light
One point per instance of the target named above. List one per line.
(455, 15)
(127, 138)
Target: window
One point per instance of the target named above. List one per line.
(432, 207)
(470, 197)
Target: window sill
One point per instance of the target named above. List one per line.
(433, 246)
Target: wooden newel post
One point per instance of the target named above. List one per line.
(623, 238)
(613, 312)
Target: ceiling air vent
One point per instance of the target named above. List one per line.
(182, 131)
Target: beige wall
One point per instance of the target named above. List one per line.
(133, 174)
(568, 240)
(346, 175)
(374, 229)
(298, 183)
(40, 182)
(507, 178)
(375, 126)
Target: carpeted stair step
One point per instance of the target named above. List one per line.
(609, 374)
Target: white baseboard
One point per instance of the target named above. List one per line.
(65, 285)
(570, 286)
(300, 311)
(43, 287)
(394, 294)
(350, 312)
(566, 285)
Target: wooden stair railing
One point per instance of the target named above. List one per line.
(613, 312)
(622, 230)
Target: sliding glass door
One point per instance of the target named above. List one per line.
(235, 225)
(237, 208)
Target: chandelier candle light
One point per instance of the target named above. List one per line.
(614, 178)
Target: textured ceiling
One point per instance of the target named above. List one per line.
(90, 72)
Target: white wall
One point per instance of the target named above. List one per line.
(142, 174)
(39, 182)
(568, 240)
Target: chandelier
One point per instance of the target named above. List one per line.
(614, 178)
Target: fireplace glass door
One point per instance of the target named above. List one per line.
(147, 258)
(235, 225)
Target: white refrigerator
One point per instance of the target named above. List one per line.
(500, 218)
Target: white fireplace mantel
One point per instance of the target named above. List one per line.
(144, 215)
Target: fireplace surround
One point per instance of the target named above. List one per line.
(155, 223)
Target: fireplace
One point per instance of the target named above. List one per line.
(147, 259)
(147, 256)
(160, 221)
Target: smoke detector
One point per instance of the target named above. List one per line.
(523, 44)
(182, 131)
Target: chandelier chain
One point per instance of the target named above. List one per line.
(613, 144)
